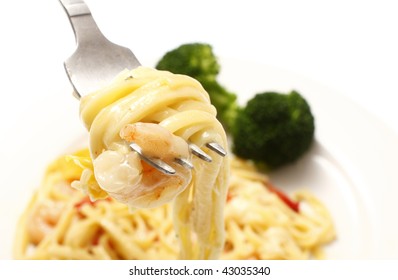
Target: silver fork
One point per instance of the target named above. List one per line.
(97, 61)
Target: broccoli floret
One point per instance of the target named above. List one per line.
(273, 128)
(198, 61)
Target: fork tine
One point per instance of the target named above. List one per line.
(214, 146)
(155, 162)
(199, 153)
(184, 162)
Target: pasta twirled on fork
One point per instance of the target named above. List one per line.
(145, 100)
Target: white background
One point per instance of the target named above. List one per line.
(309, 270)
(349, 46)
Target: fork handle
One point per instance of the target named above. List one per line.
(83, 24)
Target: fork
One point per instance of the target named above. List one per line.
(97, 61)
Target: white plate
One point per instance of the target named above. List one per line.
(351, 167)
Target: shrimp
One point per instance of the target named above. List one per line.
(43, 219)
(128, 179)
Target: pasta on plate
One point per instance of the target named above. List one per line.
(61, 222)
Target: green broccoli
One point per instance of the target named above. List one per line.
(198, 61)
(273, 129)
